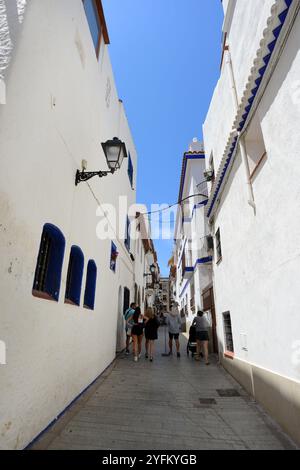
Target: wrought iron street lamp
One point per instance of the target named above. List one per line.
(115, 152)
(152, 270)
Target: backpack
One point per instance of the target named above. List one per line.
(129, 312)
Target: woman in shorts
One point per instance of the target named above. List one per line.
(151, 327)
(137, 333)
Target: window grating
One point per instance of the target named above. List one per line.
(218, 245)
(43, 263)
(47, 276)
(228, 332)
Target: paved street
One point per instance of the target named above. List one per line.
(169, 404)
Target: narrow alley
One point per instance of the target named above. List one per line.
(168, 404)
(149, 182)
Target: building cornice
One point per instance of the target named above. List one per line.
(186, 158)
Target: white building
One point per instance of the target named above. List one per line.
(165, 293)
(145, 272)
(192, 257)
(63, 289)
(252, 141)
(147, 269)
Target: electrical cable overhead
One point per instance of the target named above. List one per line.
(179, 202)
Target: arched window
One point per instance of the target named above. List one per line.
(127, 234)
(74, 277)
(90, 286)
(126, 299)
(130, 169)
(49, 264)
(113, 257)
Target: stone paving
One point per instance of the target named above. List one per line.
(170, 404)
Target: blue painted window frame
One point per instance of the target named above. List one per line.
(94, 22)
(130, 169)
(113, 260)
(90, 285)
(74, 276)
(47, 278)
(127, 234)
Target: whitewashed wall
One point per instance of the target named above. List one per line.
(61, 104)
(257, 280)
(219, 120)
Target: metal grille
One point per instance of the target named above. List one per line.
(43, 263)
(228, 332)
(207, 401)
(218, 245)
(228, 392)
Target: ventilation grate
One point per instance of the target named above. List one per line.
(228, 392)
(207, 401)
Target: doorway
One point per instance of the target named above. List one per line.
(126, 299)
(209, 304)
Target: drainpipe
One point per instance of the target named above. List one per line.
(242, 145)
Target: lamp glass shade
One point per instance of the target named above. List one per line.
(152, 269)
(115, 152)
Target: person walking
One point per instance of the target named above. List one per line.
(151, 326)
(137, 333)
(202, 324)
(128, 314)
(173, 322)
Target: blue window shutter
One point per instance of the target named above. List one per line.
(90, 287)
(127, 234)
(113, 257)
(130, 169)
(49, 281)
(74, 278)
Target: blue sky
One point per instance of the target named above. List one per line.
(166, 57)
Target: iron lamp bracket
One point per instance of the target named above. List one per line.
(87, 175)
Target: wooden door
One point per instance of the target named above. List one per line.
(209, 304)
